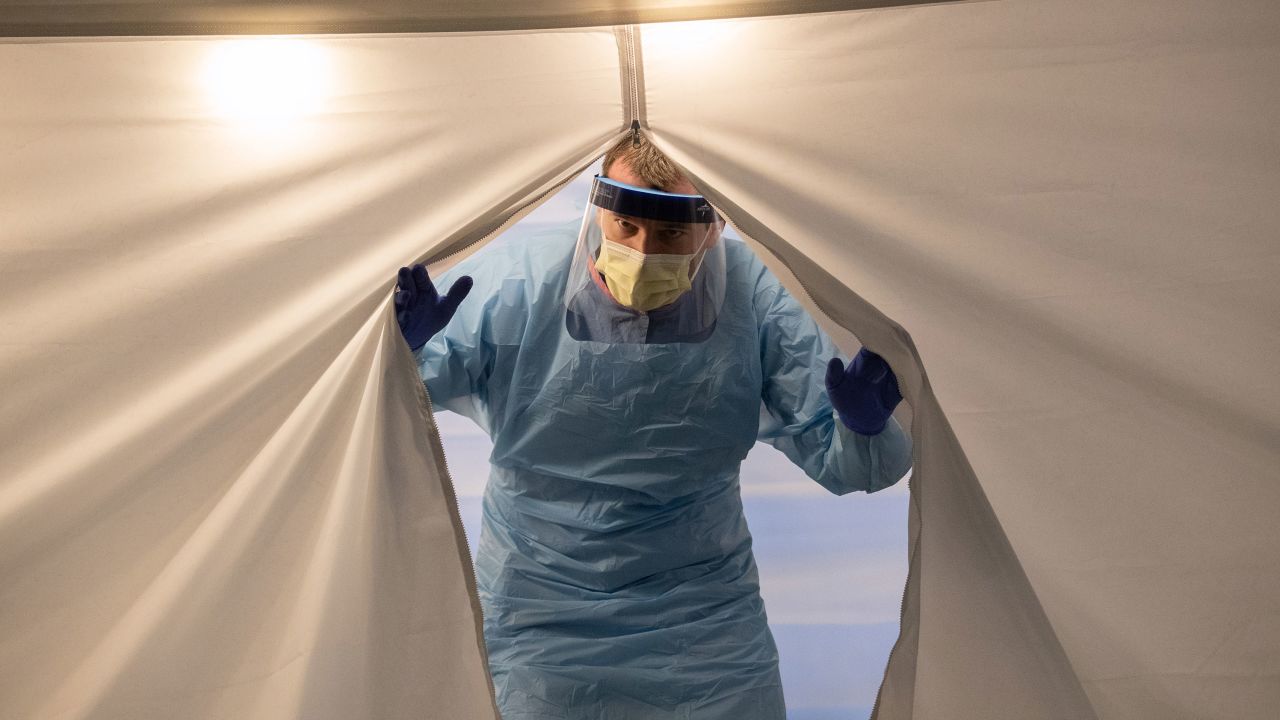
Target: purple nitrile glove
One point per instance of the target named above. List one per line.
(420, 310)
(863, 394)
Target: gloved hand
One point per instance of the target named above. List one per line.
(419, 308)
(865, 393)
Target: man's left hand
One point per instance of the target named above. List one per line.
(865, 393)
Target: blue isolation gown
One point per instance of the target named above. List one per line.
(614, 564)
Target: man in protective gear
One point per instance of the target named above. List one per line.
(622, 378)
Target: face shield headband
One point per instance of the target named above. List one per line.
(622, 199)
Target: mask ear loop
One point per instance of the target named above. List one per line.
(701, 253)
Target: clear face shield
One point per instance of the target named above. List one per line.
(649, 267)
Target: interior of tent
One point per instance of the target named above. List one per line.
(225, 492)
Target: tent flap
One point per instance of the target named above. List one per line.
(1070, 209)
(219, 495)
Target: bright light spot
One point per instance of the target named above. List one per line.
(267, 81)
(692, 38)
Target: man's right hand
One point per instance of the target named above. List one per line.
(419, 308)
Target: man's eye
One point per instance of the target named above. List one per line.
(673, 233)
(625, 226)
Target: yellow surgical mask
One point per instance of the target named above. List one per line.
(643, 281)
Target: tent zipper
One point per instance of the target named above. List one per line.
(631, 69)
(912, 553)
(516, 215)
(434, 433)
(902, 603)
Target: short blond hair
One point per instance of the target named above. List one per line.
(645, 160)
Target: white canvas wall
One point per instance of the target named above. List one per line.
(1071, 209)
(1057, 221)
(219, 497)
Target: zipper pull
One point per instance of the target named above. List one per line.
(635, 133)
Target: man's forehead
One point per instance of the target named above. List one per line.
(621, 171)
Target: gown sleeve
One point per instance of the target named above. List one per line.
(507, 319)
(796, 413)
(454, 364)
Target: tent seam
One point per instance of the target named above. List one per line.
(631, 72)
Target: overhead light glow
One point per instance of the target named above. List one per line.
(267, 81)
(690, 39)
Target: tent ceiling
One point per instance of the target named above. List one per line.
(200, 17)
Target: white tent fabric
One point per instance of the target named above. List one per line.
(219, 499)
(1072, 210)
(222, 496)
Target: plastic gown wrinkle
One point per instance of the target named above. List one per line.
(796, 415)
(614, 562)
